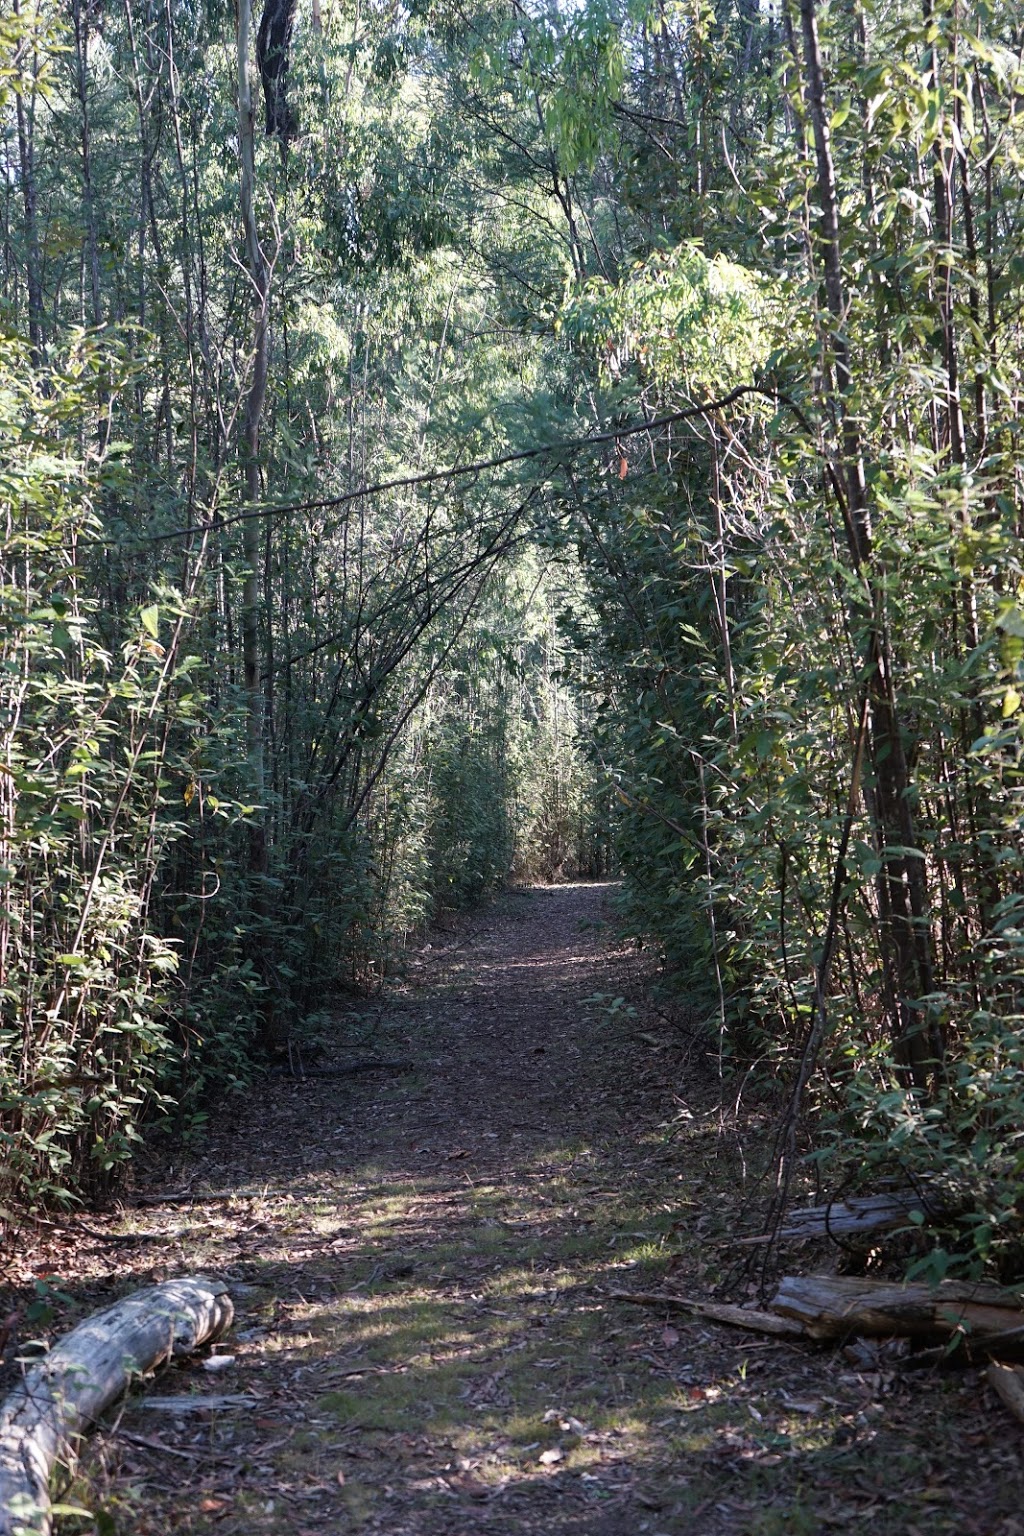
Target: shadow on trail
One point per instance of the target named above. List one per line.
(424, 1266)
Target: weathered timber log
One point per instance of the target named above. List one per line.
(715, 1311)
(196, 1197)
(207, 1402)
(835, 1306)
(860, 1214)
(82, 1375)
(1007, 1382)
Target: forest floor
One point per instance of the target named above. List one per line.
(426, 1340)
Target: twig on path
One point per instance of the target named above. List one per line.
(204, 1197)
(714, 1311)
(372, 1277)
(127, 1239)
(365, 1370)
(174, 1450)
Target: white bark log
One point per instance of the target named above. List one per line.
(1007, 1382)
(715, 1312)
(82, 1375)
(861, 1214)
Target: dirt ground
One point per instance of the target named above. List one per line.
(424, 1261)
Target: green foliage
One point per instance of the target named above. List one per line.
(733, 635)
(498, 230)
(469, 818)
(677, 318)
(82, 1047)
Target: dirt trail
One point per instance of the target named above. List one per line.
(426, 1344)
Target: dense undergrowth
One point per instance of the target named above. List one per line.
(563, 441)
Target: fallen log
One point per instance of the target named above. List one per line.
(836, 1306)
(82, 1375)
(397, 1067)
(1007, 1382)
(860, 1214)
(714, 1311)
(209, 1402)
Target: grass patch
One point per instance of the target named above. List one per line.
(432, 1400)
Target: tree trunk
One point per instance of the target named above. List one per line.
(902, 888)
(273, 43)
(259, 275)
(91, 251)
(33, 264)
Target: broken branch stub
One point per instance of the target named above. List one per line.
(82, 1375)
(1007, 1382)
(714, 1311)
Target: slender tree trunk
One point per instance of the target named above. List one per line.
(903, 896)
(719, 578)
(272, 1020)
(259, 276)
(91, 253)
(25, 115)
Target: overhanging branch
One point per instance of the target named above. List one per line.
(460, 471)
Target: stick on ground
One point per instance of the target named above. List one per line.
(715, 1312)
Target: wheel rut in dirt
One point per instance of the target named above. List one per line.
(427, 1343)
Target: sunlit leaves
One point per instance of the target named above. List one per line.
(692, 324)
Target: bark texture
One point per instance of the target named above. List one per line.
(835, 1306)
(273, 44)
(68, 1390)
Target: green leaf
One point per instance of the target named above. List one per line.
(1011, 621)
(150, 618)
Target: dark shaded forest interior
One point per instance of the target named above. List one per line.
(511, 638)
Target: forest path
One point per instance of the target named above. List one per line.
(426, 1344)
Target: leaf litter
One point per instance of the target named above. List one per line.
(423, 1266)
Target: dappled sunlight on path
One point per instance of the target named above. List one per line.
(429, 1341)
